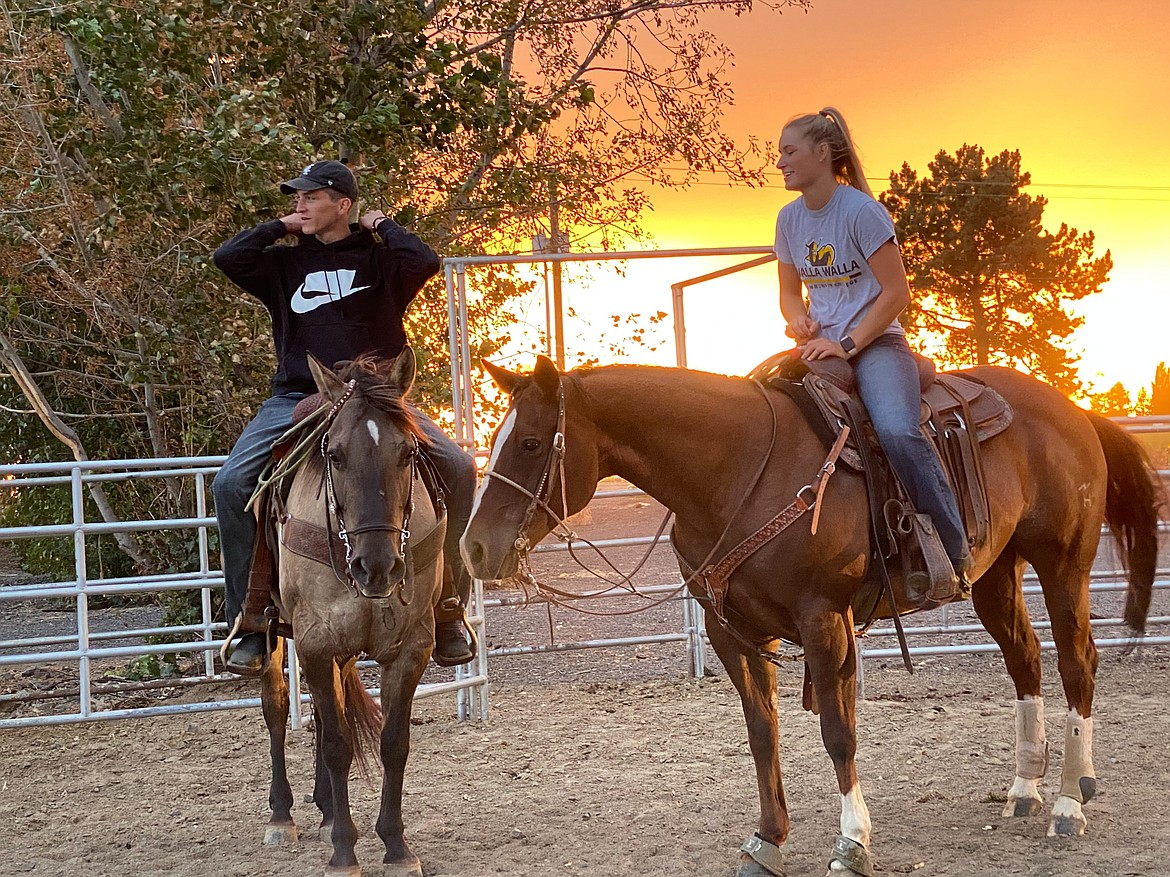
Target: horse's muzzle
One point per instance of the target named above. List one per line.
(488, 562)
(377, 581)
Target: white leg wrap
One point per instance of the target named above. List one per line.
(1031, 741)
(1078, 780)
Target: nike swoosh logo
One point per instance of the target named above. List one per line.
(322, 287)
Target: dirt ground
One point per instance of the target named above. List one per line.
(606, 762)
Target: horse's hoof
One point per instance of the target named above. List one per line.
(1067, 819)
(343, 871)
(411, 867)
(1067, 826)
(280, 834)
(850, 857)
(1016, 807)
(760, 859)
(752, 868)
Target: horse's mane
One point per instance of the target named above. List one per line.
(370, 375)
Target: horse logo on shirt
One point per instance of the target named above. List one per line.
(322, 287)
(822, 255)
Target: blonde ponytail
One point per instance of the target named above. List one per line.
(828, 126)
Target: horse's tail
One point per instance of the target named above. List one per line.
(363, 718)
(1132, 500)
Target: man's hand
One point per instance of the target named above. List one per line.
(292, 223)
(370, 219)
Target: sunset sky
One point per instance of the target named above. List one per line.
(1080, 88)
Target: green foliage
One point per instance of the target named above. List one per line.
(1115, 402)
(991, 282)
(139, 136)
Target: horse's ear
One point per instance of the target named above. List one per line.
(330, 385)
(504, 379)
(403, 371)
(547, 376)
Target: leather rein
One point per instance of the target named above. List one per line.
(715, 577)
(333, 512)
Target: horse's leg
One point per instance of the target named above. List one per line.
(274, 703)
(399, 681)
(998, 598)
(1064, 578)
(336, 753)
(755, 680)
(322, 787)
(831, 658)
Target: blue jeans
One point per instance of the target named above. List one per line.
(234, 484)
(887, 381)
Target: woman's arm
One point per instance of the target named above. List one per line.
(890, 273)
(801, 326)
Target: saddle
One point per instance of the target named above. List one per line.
(302, 537)
(958, 413)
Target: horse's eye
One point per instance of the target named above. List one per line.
(530, 445)
(334, 457)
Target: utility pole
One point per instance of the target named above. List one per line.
(558, 303)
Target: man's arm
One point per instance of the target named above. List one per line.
(244, 260)
(407, 260)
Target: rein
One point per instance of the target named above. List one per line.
(714, 577)
(554, 471)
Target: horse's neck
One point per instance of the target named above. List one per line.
(684, 438)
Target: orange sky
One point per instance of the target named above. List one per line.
(1080, 88)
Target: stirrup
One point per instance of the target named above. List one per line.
(451, 612)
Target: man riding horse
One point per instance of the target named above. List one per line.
(339, 293)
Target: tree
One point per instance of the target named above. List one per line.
(1160, 391)
(1115, 402)
(992, 284)
(138, 136)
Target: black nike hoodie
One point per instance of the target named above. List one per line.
(336, 301)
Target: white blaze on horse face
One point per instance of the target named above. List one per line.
(501, 439)
(373, 428)
(855, 823)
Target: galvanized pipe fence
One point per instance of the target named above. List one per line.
(950, 630)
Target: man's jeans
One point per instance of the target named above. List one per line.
(237, 479)
(887, 381)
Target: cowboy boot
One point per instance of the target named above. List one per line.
(455, 641)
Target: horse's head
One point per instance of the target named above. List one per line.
(538, 447)
(369, 454)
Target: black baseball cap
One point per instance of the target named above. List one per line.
(323, 175)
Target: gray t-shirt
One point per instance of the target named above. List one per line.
(830, 248)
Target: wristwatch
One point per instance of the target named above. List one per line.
(848, 345)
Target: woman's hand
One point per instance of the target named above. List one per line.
(822, 348)
(804, 328)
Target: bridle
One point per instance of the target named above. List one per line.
(333, 512)
(554, 470)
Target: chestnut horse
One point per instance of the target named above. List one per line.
(359, 489)
(725, 459)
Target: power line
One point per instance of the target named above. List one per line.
(1114, 187)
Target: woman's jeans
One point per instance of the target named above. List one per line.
(887, 381)
(237, 479)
